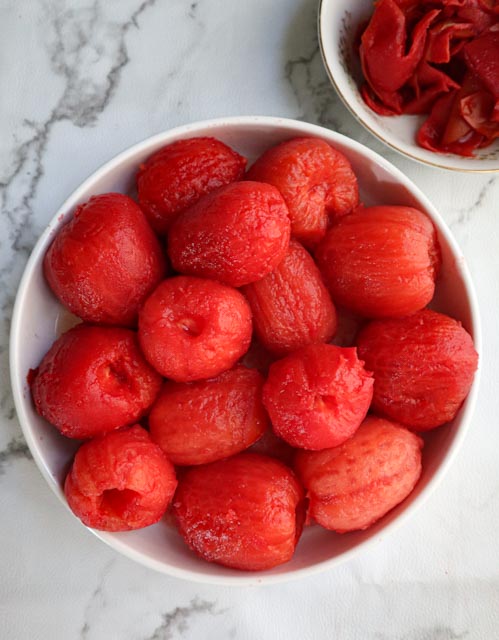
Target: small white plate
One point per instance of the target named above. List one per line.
(339, 21)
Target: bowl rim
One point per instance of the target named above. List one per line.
(359, 118)
(301, 128)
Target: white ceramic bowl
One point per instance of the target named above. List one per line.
(338, 24)
(38, 317)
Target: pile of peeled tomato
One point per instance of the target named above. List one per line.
(440, 58)
(215, 371)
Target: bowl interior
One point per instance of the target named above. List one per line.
(339, 23)
(39, 319)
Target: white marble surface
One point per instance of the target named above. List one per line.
(80, 81)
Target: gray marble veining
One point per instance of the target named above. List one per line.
(16, 448)
(176, 622)
(87, 49)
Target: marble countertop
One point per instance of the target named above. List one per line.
(83, 80)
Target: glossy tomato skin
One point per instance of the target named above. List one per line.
(423, 367)
(120, 481)
(200, 422)
(291, 306)
(192, 328)
(179, 174)
(318, 396)
(352, 486)
(94, 380)
(245, 512)
(381, 262)
(104, 262)
(236, 235)
(316, 181)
